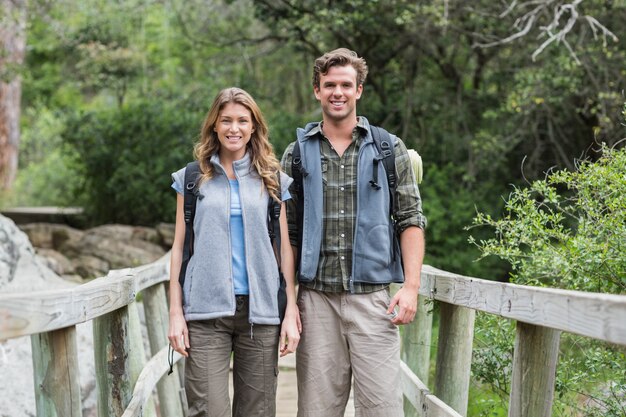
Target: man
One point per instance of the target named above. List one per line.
(347, 255)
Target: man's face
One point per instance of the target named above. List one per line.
(338, 93)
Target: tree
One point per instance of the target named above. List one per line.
(13, 46)
(566, 231)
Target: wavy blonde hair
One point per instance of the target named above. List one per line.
(259, 147)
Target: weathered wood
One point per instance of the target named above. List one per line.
(150, 375)
(416, 340)
(454, 355)
(595, 315)
(137, 355)
(534, 371)
(41, 311)
(56, 376)
(425, 403)
(589, 314)
(157, 314)
(111, 340)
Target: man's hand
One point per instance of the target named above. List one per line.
(406, 300)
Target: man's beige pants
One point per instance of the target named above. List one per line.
(344, 337)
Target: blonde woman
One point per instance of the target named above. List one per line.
(228, 301)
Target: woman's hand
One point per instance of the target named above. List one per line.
(178, 334)
(290, 331)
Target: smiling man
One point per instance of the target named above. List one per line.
(347, 241)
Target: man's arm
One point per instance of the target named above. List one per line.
(412, 244)
(411, 223)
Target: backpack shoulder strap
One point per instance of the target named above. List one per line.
(273, 227)
(190, 194)
(298, 172)
(386, 154)
(273, 223)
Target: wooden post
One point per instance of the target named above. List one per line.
(534, 371)
(55, 366)
(137, 355)
(119, 358)
(157, 320)
(454, 355)
(416, 340)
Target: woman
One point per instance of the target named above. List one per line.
(228, 303)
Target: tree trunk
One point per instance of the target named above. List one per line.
(12, 49)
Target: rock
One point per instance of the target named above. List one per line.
(56, 261)
(166, 234)
(88, 266)
(20, 268)
(50, 236)
(117, 252)
(147, 234)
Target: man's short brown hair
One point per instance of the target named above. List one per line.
(339, 58)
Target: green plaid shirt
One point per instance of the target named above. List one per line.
(339, 175)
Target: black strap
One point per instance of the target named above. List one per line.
(386, 154)
(190, 194)
(298, 172)
(273, 226)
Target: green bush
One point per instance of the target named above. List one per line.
(565, 231)
(125, 156)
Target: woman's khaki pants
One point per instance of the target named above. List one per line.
(254, 351)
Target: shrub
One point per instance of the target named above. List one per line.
(125, 157)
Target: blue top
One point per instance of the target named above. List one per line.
(238, 253)
(240, 273)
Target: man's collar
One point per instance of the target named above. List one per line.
(361, 124)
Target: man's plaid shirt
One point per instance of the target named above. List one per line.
(339, 176)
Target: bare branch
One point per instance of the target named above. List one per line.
(531, 16)
(594, 24)
(555, 31)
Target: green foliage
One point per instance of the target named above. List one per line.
(45, 176)
(568, 230)
(565, 231)
(125, 157)
(449, 207)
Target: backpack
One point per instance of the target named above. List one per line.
(386, 155)
(191, 194)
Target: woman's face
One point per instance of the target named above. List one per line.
(234, 128)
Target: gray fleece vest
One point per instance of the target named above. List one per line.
(373, 257)
(208, 291)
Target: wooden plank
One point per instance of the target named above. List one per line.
(148, 379)
(595, 315)
(119, 359)
(426, 404)
(56, 376)
(137, 355)
(416, 340)
(454, 355)
(534, 371)
(156, 308)
(24, 314)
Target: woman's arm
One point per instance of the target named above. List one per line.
(177, 334)
(291, 327)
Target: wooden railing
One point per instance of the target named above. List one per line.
(541, 315)
(125, 381)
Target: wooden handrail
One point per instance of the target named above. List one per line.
(595, 315)
(598, 316)
(33, 312)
